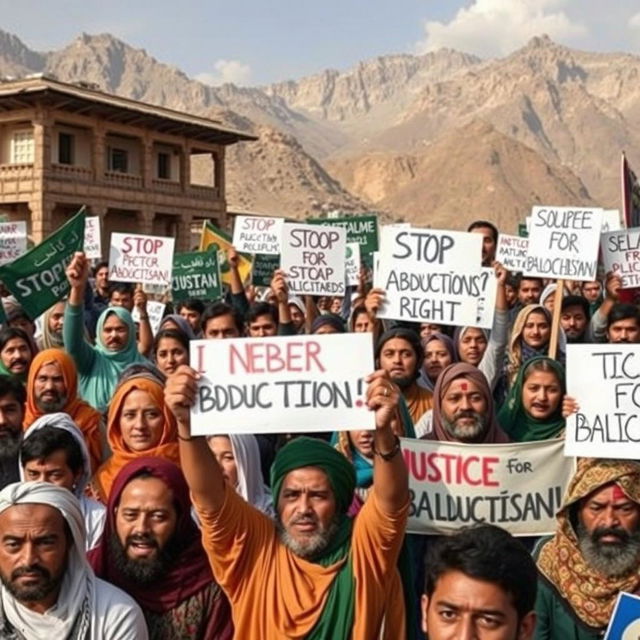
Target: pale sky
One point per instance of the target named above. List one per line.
(260, 41)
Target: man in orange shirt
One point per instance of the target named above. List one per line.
(314, 573)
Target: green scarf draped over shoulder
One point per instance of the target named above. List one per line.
(513, 417)
(336, 620)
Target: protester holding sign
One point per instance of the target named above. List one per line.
(594, 554)
(98, 367)
(303, 572)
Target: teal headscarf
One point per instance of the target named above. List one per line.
(97, 386)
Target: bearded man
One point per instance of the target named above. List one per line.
(594, 554)
(463, 409)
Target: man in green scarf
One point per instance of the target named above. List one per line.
(314, 573)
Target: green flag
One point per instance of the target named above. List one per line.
(38, 279)
(196, 275)
(263, 267)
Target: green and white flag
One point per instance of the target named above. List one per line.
(38, 279)
(196, 275)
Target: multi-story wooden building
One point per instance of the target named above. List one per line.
(131, 163)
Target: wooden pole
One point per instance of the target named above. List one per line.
(555, 322)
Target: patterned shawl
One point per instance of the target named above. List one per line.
(590, 594)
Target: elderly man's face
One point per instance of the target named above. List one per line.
(146, 521)
(34, 549)
(49, 389)
(306, 511)
(464, 409)
(609, 531)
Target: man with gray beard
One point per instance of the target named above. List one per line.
(463, 409)
(594, 554)
(12, 399)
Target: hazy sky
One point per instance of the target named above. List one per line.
(260, 41)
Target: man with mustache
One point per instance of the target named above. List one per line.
(12, 399)
(463, 409)
(315, 572)
(151, 549)
(48, 588)
(615, 321)
(16, 353)
(594, 554)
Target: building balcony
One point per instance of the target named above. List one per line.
(72, 172)
(122, 180)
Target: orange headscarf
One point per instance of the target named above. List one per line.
(85, 416)
(166, 448)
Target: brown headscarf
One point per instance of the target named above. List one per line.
(166, 448)
(493, 433)
(514, 349)
(590, 594)
(85, 416)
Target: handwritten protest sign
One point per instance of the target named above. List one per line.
(196, 275)
(360, 229)
(37, 279)
(607, 425)
(138, 258)
(13, 240)
(625, 619)
(313, 258)
(517, 486)
(155, 311)
(352, 264)
(257, 235)
(220, 241)
(263, 268)
(564, 242)
(92, 241)
(621, 254)
(282, 384)
(428, 276)
(512, 252)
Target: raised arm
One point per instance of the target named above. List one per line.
(145, 334)
(281, 292)
(390, 477)
(199, 465)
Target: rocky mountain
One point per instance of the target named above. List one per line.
(423, 137)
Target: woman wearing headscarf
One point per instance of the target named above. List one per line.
(529, 338)
(239, 457)
(439, 352)
(92, 511)
(578, 589)
(185, 602)
(86, 607)
(176, 322)
(533, 408)
(87, 419)
(138, 424)
(492, 433)
(98, 366)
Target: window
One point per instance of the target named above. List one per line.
(164, 166)
(22, 147)
(118, 160)
(65, 148)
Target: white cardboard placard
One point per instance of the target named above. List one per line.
(139, 258)
(511, 252)
(13, 240)
(92, 238)
(621, 254)
(253, 234)
(352, 264)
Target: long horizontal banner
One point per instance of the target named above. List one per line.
(292, 384)
(517, 486)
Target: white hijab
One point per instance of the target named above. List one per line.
(250, 483)
(78, 585)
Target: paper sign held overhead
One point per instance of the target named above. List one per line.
(13, 240)
(92, 241)
(257, 234)
(360, 229)
(517, 486)
(607, 425)
(511, 252)
(313, 257)
(564, 243)
(353, 264)
(621, 254)
(435, 276)
(282, 384)
(155, 311)
(140, 258)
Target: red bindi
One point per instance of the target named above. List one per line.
(464, 386)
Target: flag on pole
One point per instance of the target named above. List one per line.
(630, 195)
(214, 238)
